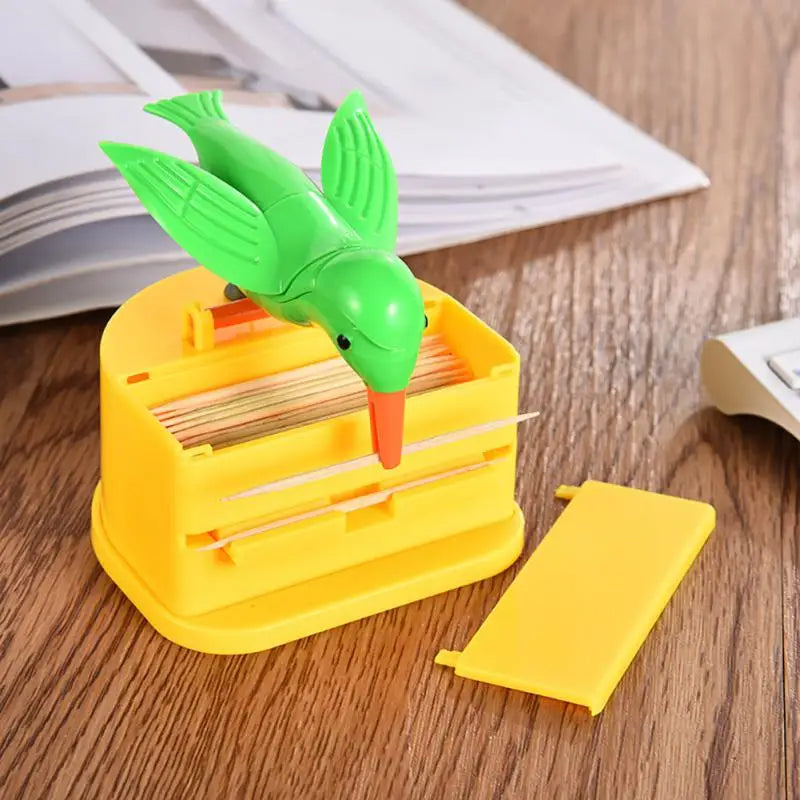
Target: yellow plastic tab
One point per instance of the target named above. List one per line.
(580, 609)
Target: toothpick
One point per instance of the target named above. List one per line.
(267, 418)
(237, 435)
(430, 344)
(372, 458)
(346, 506)
(293, 382)
(280, 419)
(262, 399)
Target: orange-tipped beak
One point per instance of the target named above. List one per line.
(386, 411)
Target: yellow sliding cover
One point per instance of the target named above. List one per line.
(580, 609)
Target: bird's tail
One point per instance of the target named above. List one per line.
(186, 110)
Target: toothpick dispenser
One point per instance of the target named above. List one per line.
(446, 516)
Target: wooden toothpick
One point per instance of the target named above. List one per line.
(312, 393)
(431, 346)
(372, 458)
(346, 506)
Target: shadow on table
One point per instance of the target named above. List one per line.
(746, 466)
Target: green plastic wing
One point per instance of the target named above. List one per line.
(210, 220)
(358, 177)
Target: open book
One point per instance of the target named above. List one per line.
(485, 138)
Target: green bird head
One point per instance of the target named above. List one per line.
(370, 305)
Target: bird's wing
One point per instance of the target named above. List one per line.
(358, 177)
(213, 222)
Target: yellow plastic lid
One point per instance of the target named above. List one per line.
(579, 610)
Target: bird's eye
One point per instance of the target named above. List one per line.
(426, 320)
(343, 342)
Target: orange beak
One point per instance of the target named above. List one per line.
(386, 411)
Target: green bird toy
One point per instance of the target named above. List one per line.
(304, 255)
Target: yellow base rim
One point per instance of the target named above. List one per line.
(326, 602)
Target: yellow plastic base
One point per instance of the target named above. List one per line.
(162, 504)
(282, 616)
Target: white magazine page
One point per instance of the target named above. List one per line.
(485, 138)
(256, 58)
(61, 138)
(423, 68)
(417, 194)
(70, 294)
(468, 63)
(663, 170)
(113, 200)
(42, 55)
(288, 116)
(52, 257)
(200, 52)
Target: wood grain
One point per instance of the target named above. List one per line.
(609, 315)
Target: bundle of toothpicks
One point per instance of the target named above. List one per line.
(275, 403)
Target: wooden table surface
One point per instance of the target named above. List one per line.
(608, 314)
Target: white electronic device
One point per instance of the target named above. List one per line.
(756, 371)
